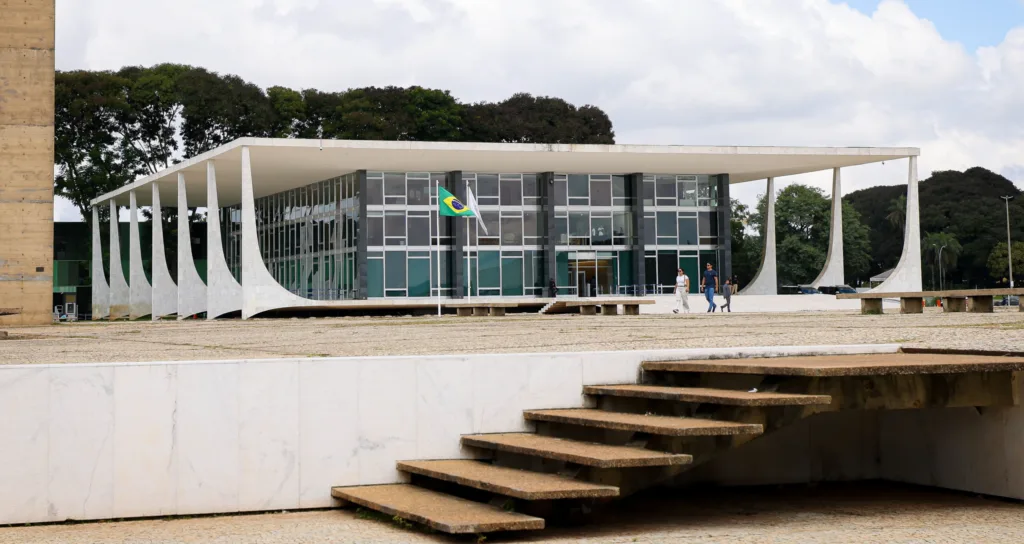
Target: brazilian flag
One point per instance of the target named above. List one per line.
(449, 205)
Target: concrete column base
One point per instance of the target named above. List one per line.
(497, 312)
(954, 304)
(480, 311)
(980, 304)
(609, 309)
(871, 306)
(912, 305)
(1020, 307)
(464, 312)
(630, 309)
(588, 310)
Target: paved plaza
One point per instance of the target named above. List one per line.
(89, 342)
(866, 513)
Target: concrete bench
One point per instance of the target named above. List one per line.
(481, 309)
(608, 306)
(954, 300)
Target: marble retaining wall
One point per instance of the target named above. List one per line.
(101, 441)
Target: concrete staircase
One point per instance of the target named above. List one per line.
(683, 414)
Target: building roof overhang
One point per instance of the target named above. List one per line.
(279, 164)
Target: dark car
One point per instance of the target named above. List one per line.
(798, 290)
(835, 289)
(1011, 300)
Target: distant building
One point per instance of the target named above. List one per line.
(317, 224)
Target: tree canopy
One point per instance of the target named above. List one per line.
(802, 218)
(965, 205)
(113, 127)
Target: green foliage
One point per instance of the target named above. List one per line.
(802, 219)
(998, 263)
(746, 246)
(936, 246)
(965, 205)
(114, 127)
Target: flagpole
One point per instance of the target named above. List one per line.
(469, 261)
(437, 191)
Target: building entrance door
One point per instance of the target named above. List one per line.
(594, 274)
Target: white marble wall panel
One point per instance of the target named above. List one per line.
(206, 430)
(165, 292)
(140, 292)
(100, 289)
(328, 434)
(444, 406)
(24, 445)
(119, 295)
(147, 439)
(191, 289)
(387, 417)
(81, 455)
(268, 435)
(145, 402)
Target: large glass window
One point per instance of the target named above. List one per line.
(418, 192)
(492, 222)
(622, 228)
(601, 231)
(666, 228)
(600, 191)
(419, 229)
(579, 228)
(490, 269)
(374, 190)
(511, 191)
(579, 190)
(419, 277)
(488, 191)
(708, 224)
(687, 230)
(375, 230)
(560, 191)
(394, 267)
(512, 276)
(666, 190)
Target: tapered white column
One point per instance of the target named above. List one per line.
(100, 289)
(223, 293)
(834, 272)
(119, 294)
(165, 292)
(140, 292)
(191, 289)
(766, 281)
(907, 274)
(260, 291)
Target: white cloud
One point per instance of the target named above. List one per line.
(775, 72)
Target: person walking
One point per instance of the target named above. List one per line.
(727, 293)
(709, 284)
(682, 292)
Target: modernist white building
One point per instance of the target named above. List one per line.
(296, 224)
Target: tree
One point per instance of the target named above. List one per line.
(802, 223)
(746, 247)
(998, 263)
(940, 245)
(898, 213)
(964, 204)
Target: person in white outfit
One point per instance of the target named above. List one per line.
(682, 292)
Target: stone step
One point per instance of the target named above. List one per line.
(708, 395)
(590, 454)
(438, 511)
(641, 423)
(521, 484)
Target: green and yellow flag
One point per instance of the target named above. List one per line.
(449, 205)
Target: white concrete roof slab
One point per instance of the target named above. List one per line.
(281, 164)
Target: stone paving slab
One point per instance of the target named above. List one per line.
(436, 510)
(708, 395)
(573, 451)
(521, 484)
(651, 424)
(849, 365)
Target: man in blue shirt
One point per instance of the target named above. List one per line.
(709, 283)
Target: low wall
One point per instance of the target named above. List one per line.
(762, 304)
(100, 441)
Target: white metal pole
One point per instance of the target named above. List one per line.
(469, 263)
(1009, 245)
(437, 191)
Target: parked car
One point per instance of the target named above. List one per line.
(798, 290)
(833, 289)
(1012, 300)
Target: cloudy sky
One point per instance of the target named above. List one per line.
(943, 75)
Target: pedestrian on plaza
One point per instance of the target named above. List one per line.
(709, 284)
(682, 292)
(727, 293)
(552, 288)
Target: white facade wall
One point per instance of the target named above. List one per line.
(101, 441)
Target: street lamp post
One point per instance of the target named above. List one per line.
(1009, 245)
(940, 265)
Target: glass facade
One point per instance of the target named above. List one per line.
(579, 229)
